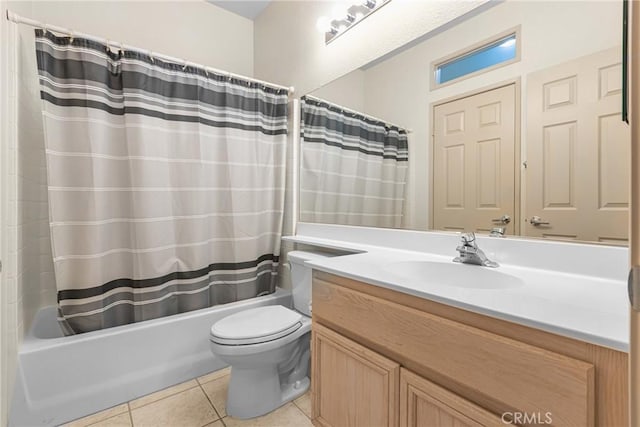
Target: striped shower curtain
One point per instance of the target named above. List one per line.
(166, 183)
(353, 167)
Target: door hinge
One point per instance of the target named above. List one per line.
(633, 287)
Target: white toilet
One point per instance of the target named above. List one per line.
(268, 348)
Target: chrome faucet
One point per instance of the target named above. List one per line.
(470, 253)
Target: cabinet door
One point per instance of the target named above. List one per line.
(425, 404)
(352, 386)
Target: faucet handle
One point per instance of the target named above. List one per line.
(468, 239)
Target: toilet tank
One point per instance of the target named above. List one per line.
(301, 278)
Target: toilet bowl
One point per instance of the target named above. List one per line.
(268, 348)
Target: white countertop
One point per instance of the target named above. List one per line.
(584, 307)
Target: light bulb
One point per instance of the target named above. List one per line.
(323, 24)
(369, 4)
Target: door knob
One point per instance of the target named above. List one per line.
(504, 219)
(536, 220)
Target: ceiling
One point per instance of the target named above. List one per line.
(248, 8)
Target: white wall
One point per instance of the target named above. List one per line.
(347, 91)
(192, 30)
(290, 51)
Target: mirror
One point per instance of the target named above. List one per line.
(437, 136)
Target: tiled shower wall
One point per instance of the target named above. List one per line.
(11, 298)
(12, 311)
(28, 281)
(8, 306)
(35, 260)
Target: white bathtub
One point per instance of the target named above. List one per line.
(63, 378)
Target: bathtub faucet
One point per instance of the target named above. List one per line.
(470, 253)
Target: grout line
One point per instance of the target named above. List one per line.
(162, 398)
(101, 420)
(300, 409)
(223, 423)
(211, 403)
(130, 414)
(214, 379)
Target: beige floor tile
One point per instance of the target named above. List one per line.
(286, 416)
(214, 375)
(191, 408)
(215, 424)
(217, 392)
(122, 420)
(153, 397)
(99, 416)
(304, 403)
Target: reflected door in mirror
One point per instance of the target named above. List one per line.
(474, 162)
(578, 148)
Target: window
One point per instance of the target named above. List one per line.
(495, 53)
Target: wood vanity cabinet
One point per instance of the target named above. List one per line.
(356, 386)
(384, 358)
(427, 404)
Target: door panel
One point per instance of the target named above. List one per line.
(367, 383)
(474, 161)
(424, 404)
(577, 175)
(454, 173)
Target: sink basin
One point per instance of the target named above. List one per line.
(453, 274)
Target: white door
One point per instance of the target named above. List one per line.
(474, 162)
(577, 175)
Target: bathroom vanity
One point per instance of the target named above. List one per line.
(396, 341)
(381, 357)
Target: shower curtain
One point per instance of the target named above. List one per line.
(353, 167)
(165, 182)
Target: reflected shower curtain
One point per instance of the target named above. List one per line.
(166, 183)
(353, 167)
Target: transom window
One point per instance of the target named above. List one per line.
(489, 55)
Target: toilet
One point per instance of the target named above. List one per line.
(268, 348)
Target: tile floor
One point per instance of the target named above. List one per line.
(197, 403)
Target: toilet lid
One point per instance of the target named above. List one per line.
(256, 325)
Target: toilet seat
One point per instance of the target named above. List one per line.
(256, 325)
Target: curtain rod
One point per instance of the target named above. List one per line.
(349, 110)
(14, 17)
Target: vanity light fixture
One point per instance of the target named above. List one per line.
(344, 16)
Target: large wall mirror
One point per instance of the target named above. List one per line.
(455, 133)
